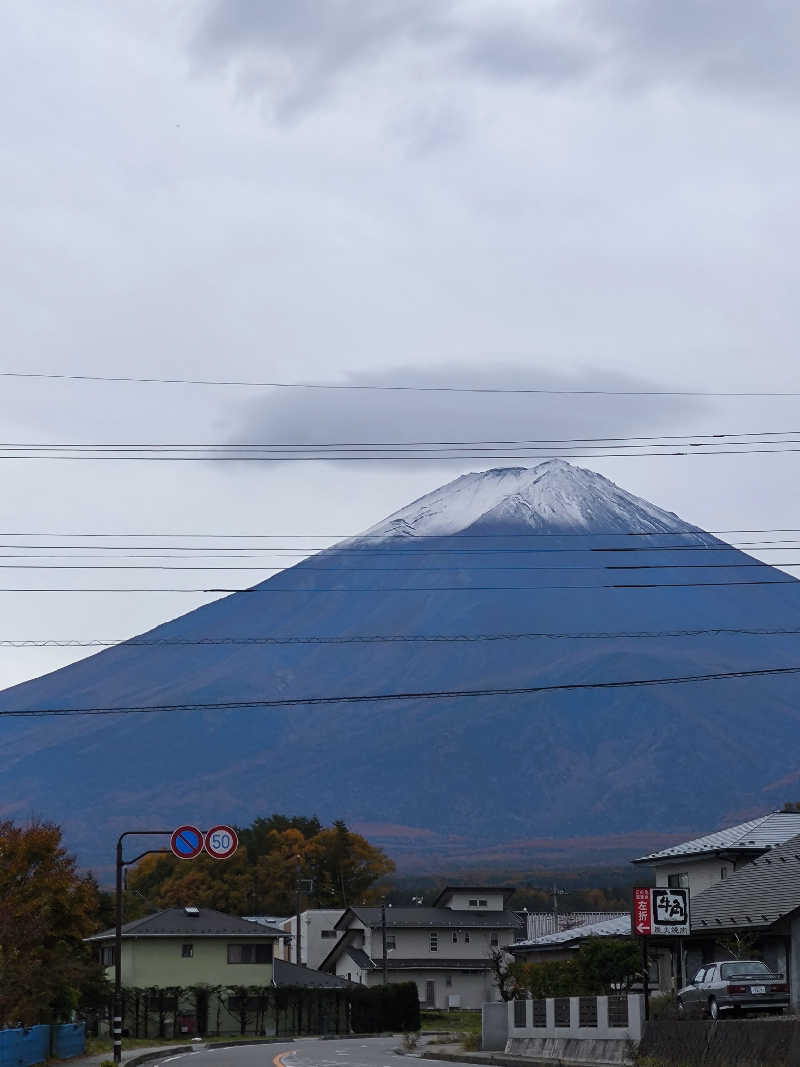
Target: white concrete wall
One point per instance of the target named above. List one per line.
(472, 989)
(702, 872)
(313, 947)
(413, 944)
(460, 900)
(632, 1032)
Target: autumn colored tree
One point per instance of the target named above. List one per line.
(46, 909)
(345, 867)
(262, 877)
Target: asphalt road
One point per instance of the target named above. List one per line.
(303, 1052)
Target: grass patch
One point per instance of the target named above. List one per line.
(458, 1019)
(103, 1044)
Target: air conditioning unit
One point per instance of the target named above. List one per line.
(453, 1000)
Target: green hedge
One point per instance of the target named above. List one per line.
(384, 1007)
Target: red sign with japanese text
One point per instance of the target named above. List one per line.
(642, 913)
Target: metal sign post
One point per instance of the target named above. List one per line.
(185, 843)
(659, 912)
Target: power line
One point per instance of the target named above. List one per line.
(78, 457)
(787, 580)
(686, 531)
(370, 698)
(531, 442)
(403, 388)
(303, 568)
(180, 642)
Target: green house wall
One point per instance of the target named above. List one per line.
(157, 961)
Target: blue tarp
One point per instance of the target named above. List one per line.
(68, 1039)
(25, 1048)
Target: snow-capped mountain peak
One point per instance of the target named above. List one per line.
(553, 496)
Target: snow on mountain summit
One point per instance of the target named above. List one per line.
(554, 496)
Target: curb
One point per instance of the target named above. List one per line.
(170, 1050)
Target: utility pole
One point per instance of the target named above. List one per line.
(116, 1023)
(383, 938)
(301, 885)
(556, 894)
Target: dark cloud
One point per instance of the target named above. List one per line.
(302, 47)
(298, 51)
(310, 416)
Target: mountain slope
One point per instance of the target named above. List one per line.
(509, 552)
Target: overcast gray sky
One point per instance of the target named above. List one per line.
(576, 193)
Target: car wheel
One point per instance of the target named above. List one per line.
(713, 1008)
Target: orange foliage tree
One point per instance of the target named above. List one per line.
(46, 909)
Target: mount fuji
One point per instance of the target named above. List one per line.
(506, 579)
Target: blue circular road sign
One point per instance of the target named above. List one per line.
(186, 842)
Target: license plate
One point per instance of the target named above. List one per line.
(758, 989)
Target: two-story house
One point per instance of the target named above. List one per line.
(446, 949)
(317, 935)
(702, 862)
(202, 952)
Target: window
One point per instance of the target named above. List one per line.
(107, 955)
(455, 937)
(678, 881)
(477, 902)
(391, 942)
(733, 970)
(187, 951)
(249, 953)
(723, 873)
(327, 934)
(494, 939)
(466, 937)
(434, 942)
(448, 980)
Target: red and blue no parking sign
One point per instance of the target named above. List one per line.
(186, 842)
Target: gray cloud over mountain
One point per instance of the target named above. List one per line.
(297, 51)
(310, 416)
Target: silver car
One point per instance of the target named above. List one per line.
(733, 986)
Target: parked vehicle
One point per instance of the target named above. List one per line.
(733, 986)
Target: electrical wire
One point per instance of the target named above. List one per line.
(786, 580)
(384, 458)
(374, 698)
(368, 639)
(303, 568)
(360, 387)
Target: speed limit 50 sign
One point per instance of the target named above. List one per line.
(221, 842)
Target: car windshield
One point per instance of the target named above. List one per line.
(730, 970)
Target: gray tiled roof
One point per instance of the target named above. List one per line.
(755, 835)
(360, 958)
(432, 918)
(616, 926)
(289, 974)
(175, 922)
(756, 895)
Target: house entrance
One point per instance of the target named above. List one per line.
(430, 994)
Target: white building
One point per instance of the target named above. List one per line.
(318, 934)
(446, 949)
